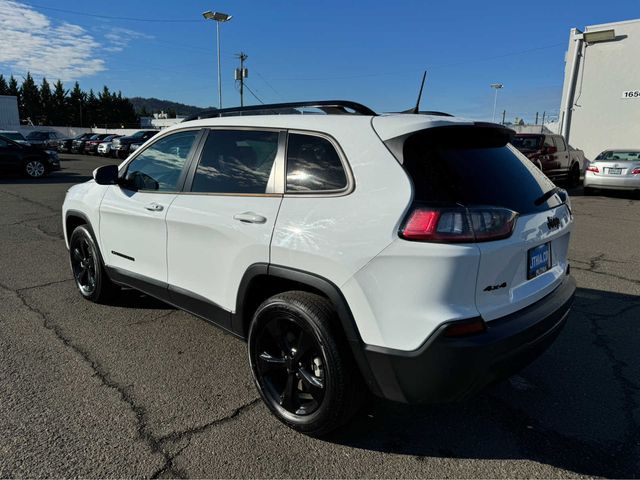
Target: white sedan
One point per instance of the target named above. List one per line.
(615, 170)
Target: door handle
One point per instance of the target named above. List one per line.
(249, 217)
(154, 207)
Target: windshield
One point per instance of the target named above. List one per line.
(527, 143)
(474, 166)
(12, 135)
(620, 156)
(139, 134)
(38, 136)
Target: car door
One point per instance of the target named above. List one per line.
(133, 231)
(549, 158)
(223, 222)
(10, 156)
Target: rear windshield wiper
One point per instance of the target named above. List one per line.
(546, 196)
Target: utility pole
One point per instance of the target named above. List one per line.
(504, 114)
(536, 118)
(544, 114)
(241, 74)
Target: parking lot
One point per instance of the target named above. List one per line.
(139, 389)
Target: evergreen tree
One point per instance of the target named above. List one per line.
(92, 109)
(30, 98)
(60, 114)
(46, 103)
(77, 105)
(15, 91)
(4, 88)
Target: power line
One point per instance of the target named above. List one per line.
(251, 92)
(95, 15)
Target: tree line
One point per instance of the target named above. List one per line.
(44, 105)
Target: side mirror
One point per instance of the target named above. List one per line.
(106, 175)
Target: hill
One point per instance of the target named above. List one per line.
(155, 105)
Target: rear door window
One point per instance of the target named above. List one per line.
(236, 161)
(313, 165)
(560, 143)
(473, 166)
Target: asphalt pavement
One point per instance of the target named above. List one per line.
(140, 389)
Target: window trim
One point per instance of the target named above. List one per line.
(274, 188)
(122, 170)
(347, 190)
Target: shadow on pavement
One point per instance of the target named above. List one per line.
(573, 408)
(130, 298)
(623, 194)
(60, 176)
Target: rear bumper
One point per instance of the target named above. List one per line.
(447, 369)
(612, 182)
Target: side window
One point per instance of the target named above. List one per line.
(548, 141)
(158, 167)
(560, 144)
(236, 161)
(313, 165)
(3, 143)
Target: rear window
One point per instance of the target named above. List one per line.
(474, 166)
(527, 143)
(38, 136)
(619, 156)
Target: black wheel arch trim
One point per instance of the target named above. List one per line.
(317, 282)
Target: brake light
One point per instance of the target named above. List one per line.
(635, 171)
(458, 224)
(593, 169)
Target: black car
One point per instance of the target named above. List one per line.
(28, 160)
(77, 146)
(122, 146)
(66, 145)
(91, 144)
(47, 140)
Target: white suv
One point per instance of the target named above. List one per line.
(421, 256)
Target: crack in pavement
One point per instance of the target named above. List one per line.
(187, 434)
(30, 220)
(594, 263)
(29, 200)
(154, 319)
(155, 444)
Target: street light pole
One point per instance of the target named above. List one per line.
(218, 17)
(496, 86)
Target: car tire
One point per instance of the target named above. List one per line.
(574, 175)
(301, 364)
(34, 168)
(88, 268)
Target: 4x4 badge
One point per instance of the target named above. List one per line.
(553, 222)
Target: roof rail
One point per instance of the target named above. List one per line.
(330, 107)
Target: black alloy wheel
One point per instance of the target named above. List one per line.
(290, 363)
(302, 364)
(88, 270)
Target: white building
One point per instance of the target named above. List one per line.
(600, 106)
(9, 117)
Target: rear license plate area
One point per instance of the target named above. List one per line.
(614, 171)
(538, 260)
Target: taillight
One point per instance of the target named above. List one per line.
(458, 224)
(593, 168)
(635, 171)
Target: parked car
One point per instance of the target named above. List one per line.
(134, 147)
(419, 257)
(551, 154)
(91, 144)
(104, 147)
(15, 136)
(48, 140)
(66, 145)
(614, 170)
(31, 161)
(77, 146)
(122, 146)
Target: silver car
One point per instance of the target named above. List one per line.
(615, 170)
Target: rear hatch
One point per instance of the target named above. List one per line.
(486, 193)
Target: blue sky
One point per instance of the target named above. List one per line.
(372, 52)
